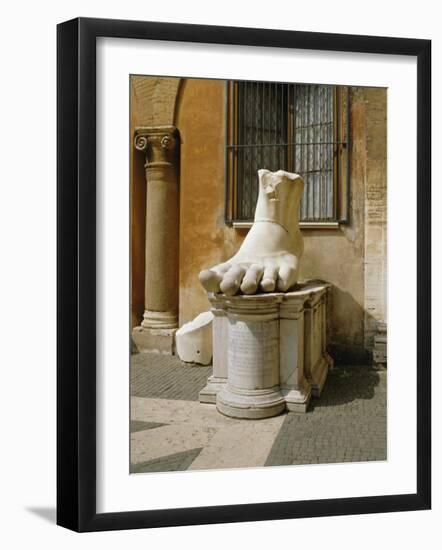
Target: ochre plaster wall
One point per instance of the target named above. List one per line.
(204, 239)
(337, 256)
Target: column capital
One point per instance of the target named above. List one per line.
(157, 142)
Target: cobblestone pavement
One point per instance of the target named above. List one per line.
(347, 424)
(165, 376)
(171, 431)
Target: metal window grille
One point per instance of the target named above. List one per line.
(294, 127)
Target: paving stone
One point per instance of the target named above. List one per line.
(138, 425)
(170, 463)
(348, 423)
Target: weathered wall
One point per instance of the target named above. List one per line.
(338, 256)
(154, 99)
(204, 239)
(375, 212)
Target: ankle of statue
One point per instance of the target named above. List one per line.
(272, 221)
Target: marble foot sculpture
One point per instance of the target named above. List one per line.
(268, 259)
(269, 340)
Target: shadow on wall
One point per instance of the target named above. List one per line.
(346, 320)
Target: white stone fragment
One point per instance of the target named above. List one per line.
(194, 340)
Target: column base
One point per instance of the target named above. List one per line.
(155, 340)
(211, 389)
(297, 401)
(159, 320)
(253, 405)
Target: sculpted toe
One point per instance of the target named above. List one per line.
(229, 287)
(232, 280)
(251, 279)
(268, 285)
(286, 278)
(210, 280)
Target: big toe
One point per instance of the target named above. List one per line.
(210, 280)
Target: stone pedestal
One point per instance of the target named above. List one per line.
(266, 358)
(160, 320)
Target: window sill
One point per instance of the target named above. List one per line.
(302, 225)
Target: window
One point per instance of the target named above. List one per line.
(301, 128)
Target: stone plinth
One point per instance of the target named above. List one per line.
(155, 340)
(266, 356)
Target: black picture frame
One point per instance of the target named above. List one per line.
(76, 274)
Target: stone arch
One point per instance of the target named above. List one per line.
(155, 99)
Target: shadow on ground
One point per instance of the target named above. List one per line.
(346, 384)
(46, 513)
(348, 423)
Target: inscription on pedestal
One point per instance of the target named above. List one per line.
(253, 354)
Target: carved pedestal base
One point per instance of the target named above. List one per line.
(252, 404)
(210, 391)
(269, 352)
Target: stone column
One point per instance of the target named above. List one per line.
(160, 145)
